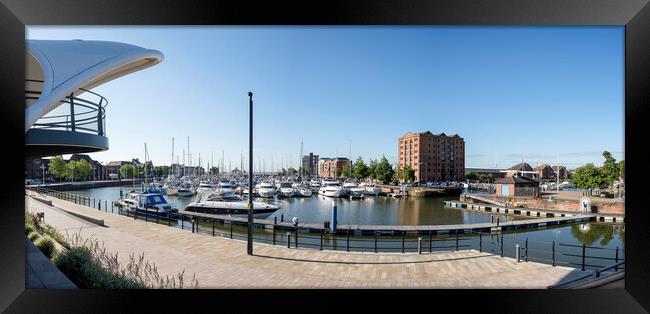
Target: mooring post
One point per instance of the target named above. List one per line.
(517, 250)
(419, 245)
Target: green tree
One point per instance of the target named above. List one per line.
(471, 176)
(384, 171)
(343, 172)
(57, 167)
(372, 167)
(81, 169)
(610, 171)
(292, 172)
(588, 177)
(360, 170)
(408, 174)
(127, 171)
(621, 168)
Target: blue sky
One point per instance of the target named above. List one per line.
(540, 94)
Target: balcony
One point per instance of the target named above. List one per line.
(76, 125)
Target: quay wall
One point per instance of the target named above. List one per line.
(602, 207)
(83, 185)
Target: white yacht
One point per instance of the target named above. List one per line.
(303, 191)
(285, 189)
(150, 204)
(185, 189)
(266, 189)
(314, 185)
(204, 186)
(223, 202)
(331, 189)
(369, 188)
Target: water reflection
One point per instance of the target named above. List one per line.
(590, 233)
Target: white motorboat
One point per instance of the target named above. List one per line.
(185, 190)
(266, 189)
(285, 189)
(369, 189)
(228, 203)
(314, 185)
(204, 187)
(331, 189)
(303, 191)
(150, 204)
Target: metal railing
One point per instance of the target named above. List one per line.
(502, 244)
(84, 115)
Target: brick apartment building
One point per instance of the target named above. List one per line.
(434, 157)
(310, 164)
(327, 167)
(544, 172)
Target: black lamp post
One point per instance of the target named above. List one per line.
(250, 174)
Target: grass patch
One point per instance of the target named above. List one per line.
(33, 236)
(88, 264)
(46, 245)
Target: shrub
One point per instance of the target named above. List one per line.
(32, 219)
(33, 236)
(56, 236)
(46, 245)
(29, 228)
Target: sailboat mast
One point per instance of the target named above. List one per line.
(300, 166)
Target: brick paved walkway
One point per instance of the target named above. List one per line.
(223, 263)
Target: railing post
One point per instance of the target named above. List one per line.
(419, 245)
(430, 241)
(231, 229)
(616, 267)
(480, 242)
(213, 223)
(273, 234)
(583, 256)
(321, 238)
(403, 235)
(375, 241)
(146, 218)
(157, 214)
(288, 240)
(99, 205)
(182, 222)
(456, 240)
(553, 253)
(106, 205)
(347, 232)
(501, 244)
(72, 122)
(100, 124)
(526, 250)
(169, 220)
(296, 236)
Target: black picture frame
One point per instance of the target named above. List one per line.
(633, 14)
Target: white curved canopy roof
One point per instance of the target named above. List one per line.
(64, 66)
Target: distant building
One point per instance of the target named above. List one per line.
(327, 167)
(310, 164)
(113, 168)
(434, 157)
(97, 167)
(521, 169)
(561, 172)
(517, 186)
(544, 172)
(33, 168)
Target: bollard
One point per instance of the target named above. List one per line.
(419, 245)
(334, 217)
(517, 252)
(288, 240)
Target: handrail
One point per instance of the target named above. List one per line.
(91, 113)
